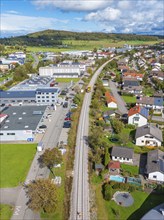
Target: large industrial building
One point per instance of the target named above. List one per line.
(42, 96)
(19, 123)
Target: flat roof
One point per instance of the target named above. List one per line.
(22, 117)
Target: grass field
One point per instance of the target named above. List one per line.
(129, 99)
(5, 212)
(131, 169)
(84, 45)
(66, 80)
(15, 162)
(143, 202)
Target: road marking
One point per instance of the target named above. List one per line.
(17, 210)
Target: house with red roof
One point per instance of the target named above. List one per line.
(110, 100)
(138, 116)
(114, 167)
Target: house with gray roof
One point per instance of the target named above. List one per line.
(122, 154)
(155, 165)
(148, 135)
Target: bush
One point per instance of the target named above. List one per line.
(107, 192)
(130, 126)
(132, 188)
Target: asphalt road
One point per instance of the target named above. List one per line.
(80, 208)
(120, 102)
(49, 140)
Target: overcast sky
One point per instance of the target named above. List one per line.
(112, 16)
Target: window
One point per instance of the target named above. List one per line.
(136, 118)
(47, 97)
(154, 177)
(127, 158)
(53, 96)
(47, 100)
(10, 133)
(115, 157)
(142, 141)
(1, 133)
(42, 97)
(38, 96)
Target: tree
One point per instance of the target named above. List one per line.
(107, 192)
(124, 138)
(117, 125)
(51, 157)
(89, 70)
(42, 195)
(106, 157)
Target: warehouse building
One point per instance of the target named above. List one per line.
(20, 123)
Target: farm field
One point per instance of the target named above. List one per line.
(83, 45)
(15, 163)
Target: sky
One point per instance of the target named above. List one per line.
(19, 17)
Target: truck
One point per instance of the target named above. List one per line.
(88, 89)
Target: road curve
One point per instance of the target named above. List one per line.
(80, 208)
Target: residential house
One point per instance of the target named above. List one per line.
(157, 75)
(131, 86)
(138, 116)
(122, 154)
(132, 75)
(114, 167)
(111, 102)
(155, 103)
(155, 165)
(148, 135)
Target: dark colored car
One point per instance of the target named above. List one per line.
(43, 126)
(67, 124)
(65, 105)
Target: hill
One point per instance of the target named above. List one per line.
(51, 38)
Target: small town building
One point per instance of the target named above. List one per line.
(155, 165)
(148, 135)
(122, 154)
(138, 116)
(114, 167)
(111, 102)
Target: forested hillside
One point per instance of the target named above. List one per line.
(56, 38)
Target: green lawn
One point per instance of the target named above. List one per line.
(66, 80)
(15, 162)
(129, 99)
(5, 212)
(131, 169)
(143, 202)
(59, 213)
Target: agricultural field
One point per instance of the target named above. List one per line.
(15, 161)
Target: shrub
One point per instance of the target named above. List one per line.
(107, 192)
(130, 126)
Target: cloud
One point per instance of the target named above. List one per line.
(20, 23)
(108, 14)
(12, 12)
(73, 5)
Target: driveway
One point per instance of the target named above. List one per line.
(120, 102)
(9, 195)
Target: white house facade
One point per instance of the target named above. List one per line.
(112, 105)
(156, 176)
(122, 159)
(137, 119)
(148, 140)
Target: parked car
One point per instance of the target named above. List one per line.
(67, 119)
(67, 124)
(43, 126)
(65, 105)
(74, 106)
(69, 114)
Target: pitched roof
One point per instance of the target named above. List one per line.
(155, 161)
(149, 129)
(109, 97)
(114, 165)
(122, 152)
(146, 100)
(133, 75)
(138, 110)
